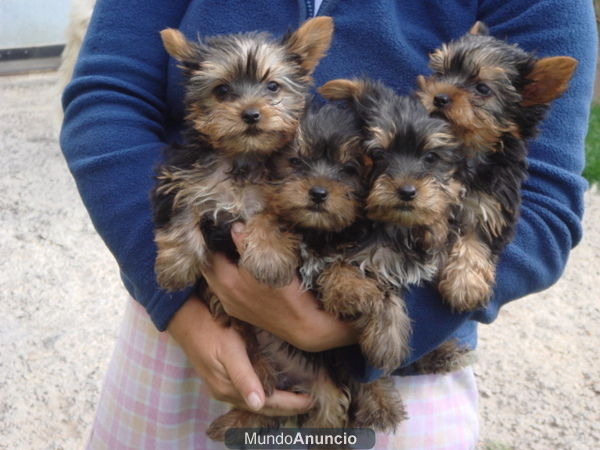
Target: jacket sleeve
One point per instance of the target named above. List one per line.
(113, 133)
(550, 220)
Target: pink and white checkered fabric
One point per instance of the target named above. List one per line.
(152, 399)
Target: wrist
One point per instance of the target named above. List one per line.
(191, 317)
(322, 331)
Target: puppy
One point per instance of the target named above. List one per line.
(494, 95)
(414, 198)
(244, 97)
(314, 214)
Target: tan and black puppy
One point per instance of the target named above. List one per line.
(244, 98)
(412, 202)
(314, 215)
(494, 95)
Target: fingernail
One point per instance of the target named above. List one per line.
(253, 401)
(238, 227)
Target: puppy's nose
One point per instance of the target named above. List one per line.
(407, 192)
(318, 194)
(441, 101)
(251, 116)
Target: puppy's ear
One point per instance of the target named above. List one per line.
(311, 41)
(179, 47)
(479, 29)
(367, 97)
(342, 89)
(548, 80)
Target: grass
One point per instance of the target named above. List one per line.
(592, 148)
(492, 445)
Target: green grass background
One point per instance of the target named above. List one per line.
(592, 148)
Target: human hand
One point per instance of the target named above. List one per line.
(218, 354)
(290, 313)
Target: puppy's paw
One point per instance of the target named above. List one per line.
(346, 292)
(467, 279)
(469, 288)
(384, 335)
(237, 418)
(378, 406)
(269, 254)
(174, 273)
(270, 267)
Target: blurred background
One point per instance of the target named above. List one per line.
(61, 300)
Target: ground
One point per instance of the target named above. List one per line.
(61, 303)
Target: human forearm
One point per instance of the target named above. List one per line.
(113, 134)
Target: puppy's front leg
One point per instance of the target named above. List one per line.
(270, 254)
(384, 334)
(182, 252)
(377, 405)
(345, 291)
(468, 276)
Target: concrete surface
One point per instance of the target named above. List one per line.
(61, 303)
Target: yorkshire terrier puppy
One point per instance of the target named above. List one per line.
(494, 95)
(315, 205)
(412, 201)
(244, 97)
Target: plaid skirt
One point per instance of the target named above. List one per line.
(152, 399)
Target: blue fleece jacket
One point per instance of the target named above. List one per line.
(125, 103)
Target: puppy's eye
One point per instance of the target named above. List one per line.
(222, 90)
(430, 157)
(350, 169)
(273, 86)
(483, 89)
(376, 154)
(295, 162)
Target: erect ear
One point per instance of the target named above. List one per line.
(178, 46)
(479, 29)
(341, 89)
(548, 79)
(311, 41)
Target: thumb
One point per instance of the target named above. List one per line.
(238, 234)
(244, 379)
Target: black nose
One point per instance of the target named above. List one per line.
(318, 194)
(441, 100)
(407, 192)
(251, 116)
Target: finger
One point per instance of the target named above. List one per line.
(238, 235)
(221, 271)
(285, 403)
(244, 379)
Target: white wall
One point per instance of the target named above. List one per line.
(29, 23)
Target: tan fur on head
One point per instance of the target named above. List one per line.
(549, 80)
(475, 128)
(311, 41)
(429, 206)
(177, 45)
(292, 203)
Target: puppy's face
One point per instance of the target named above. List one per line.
(321, 178)
(245, 93)
(484, 87)
(415, 157)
